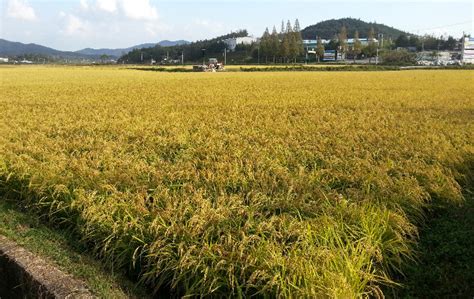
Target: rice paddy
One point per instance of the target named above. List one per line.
(308, 184)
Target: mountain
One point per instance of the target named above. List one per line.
(327, 29)
(119, 52)
(8, 48)
(169, 43)
(193, 52)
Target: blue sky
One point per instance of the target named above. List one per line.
(77, 24)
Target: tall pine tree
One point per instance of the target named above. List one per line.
(356, 46)
(274, 44)
(298, 40)
(342, 39)
(371, 49)
(320, 49)
(265, 46)
(282, 30)
(286, 43)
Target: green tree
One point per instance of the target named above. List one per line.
(298, 46)
(288, 29)
(320, 49)
(293, 54)
(342, 38)
(286, 43)
(398, 57)
(357, 46)
(265, 46)
(285, 48)
(274, 44)
(297, 27)
(388, 44)
(449, 44)
(371, 49)
(282, 30)
(402, 41)
(104, 57)
(333, 44)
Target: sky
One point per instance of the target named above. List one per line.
(77, 24)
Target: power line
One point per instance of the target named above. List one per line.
(445, 26)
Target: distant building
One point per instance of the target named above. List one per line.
(409, 49)
(311, 44)
(330, 55)
(3, 60)
(213, 61)
(467, 55)
(232, 43)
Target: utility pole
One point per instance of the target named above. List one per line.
(306, 58)
(182, 57)
(463, 47)
(225, 56)
(437, 54)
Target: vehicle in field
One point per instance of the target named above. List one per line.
(213, 65)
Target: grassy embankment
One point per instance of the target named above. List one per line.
(62, 250)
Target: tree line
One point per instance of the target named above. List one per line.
(284, 46)
(340, 44)
(427, 42)
(194, 52)
(287, 45)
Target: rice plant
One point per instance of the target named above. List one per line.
(238, 184)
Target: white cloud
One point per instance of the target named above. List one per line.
(20, 9)
(84, 4)
(208, 25)
(75, 26)
(132, 9)
(107, 5)
(139, 10)
(154, 28)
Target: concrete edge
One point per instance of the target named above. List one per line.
(25, 275)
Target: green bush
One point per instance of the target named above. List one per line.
(398, 57)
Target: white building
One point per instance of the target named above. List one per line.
(311, 44)
(467, 55)
(233, 42)
(3, 60)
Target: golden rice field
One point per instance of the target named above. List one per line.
(239, 184)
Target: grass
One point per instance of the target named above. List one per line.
(294, 68)
(62, 249)
(445, 266)
(274, 184)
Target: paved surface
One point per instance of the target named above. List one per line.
(25, 275)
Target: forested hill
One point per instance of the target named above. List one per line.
(327, 29)
(192, 51)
